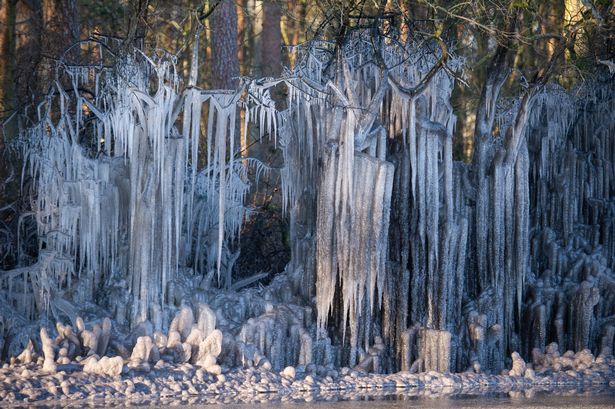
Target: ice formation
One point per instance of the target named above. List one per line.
(402, 258)
(401, 170)
(120, 196)
(458, 288)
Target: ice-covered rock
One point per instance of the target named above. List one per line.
(89, 340)
(206, 321)
(518, 365)
(63, 358)
(28, 354)
(212, 344)
(183, 322)
(214, 369)
(530, 374)
(584, 357)
(209, 349)
(160, 340)
(182, 352)
(68, 339)
(104, 366)
(195, 338)
(144, 352)
(80, 325)
(49, 365)
(173, 339)
(289, 372)
(104, 337)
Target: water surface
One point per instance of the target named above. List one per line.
(375, 399)
(541, 400)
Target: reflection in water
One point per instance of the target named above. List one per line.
(559, 397)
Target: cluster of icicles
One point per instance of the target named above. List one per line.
(371, 155)
(443, 260)
(412, 260)
(121, 195)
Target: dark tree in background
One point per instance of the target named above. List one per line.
(60, 26)
(272, 39)
(224, 60)
(7, 18)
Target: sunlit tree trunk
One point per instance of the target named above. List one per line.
(572, 17)
(256, 10)
(551, 24)
(572, 13)
(292, 27)
(243, 24)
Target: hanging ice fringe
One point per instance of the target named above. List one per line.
(338, 176)
(119, 190)
(413, 261)
(360, 150)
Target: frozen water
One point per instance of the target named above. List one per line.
(402, 258)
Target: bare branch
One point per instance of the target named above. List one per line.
(496, 77)
(424, 82)
(202, 15)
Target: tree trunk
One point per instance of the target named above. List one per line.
(272, 39)
(7, 47)
(27, 51)
(60, 26)
(137, 23)
(59, 30)
(225, 64)
(243, 25)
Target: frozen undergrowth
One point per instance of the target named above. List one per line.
(402, 258)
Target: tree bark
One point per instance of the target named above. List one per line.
(243, 24)
(7, 46)
(225, 63)
(27, 51)
(272, 39)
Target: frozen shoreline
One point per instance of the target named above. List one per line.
(29, 383)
